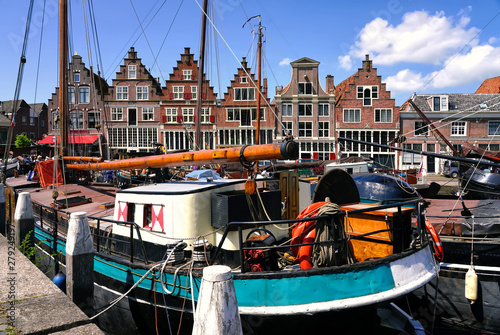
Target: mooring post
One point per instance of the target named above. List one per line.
(24, 219)
(3, 218)
(79, 262)
(217, 311)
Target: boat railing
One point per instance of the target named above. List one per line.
(50, 221)
(240, 226)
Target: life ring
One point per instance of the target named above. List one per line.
(438, 246)
(305, 232)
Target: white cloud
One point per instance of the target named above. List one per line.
(285, 61)
(345, 62)
(419, 38)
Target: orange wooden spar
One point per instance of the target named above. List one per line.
(248, 153)
(82, 159)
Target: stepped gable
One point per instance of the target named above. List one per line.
(490, 85)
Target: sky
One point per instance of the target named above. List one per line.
(422, 47)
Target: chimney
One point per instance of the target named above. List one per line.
(187, 50)
(264, 87)
(329, 84)
(244, 62)
(132, 54)
(279, 90)
(367, 63)
(185, 57)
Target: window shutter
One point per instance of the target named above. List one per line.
(164, 118)
(212, 118)
(192, 77)
(315, 155)
(194, 118)
(190, 96)
(171, 96)
(203, 95)
(179, 118)
(332, 156)
(185, 95)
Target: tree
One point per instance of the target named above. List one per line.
(22, 141)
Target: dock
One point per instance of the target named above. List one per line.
(30, 303)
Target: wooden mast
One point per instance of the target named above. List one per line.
(259, 53)
(63, 80)
(201, 69)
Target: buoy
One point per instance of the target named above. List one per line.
(60, 281)
(471, 285)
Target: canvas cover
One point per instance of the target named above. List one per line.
(45, 171)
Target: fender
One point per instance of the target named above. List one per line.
(438, 246)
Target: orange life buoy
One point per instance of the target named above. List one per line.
(305, 232)
(438, 246)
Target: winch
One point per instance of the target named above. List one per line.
(263, 258)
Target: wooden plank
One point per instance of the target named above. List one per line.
(71, 192)
(107, 205)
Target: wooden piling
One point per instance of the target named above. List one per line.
(217, 311)
(80, 262)
(3, 217)
(24, 219)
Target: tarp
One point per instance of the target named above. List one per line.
(202, 174)
(73, 139)
(470, 150)
(45, 170)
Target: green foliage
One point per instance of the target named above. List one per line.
(22, 141)
(30, 251)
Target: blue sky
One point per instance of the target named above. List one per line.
(417, 46)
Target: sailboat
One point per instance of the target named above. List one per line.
(319, 261)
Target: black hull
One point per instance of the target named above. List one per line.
(481, 184)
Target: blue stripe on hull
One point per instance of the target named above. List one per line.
(311, 289)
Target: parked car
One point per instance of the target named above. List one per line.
(454, 169)
(317, 170)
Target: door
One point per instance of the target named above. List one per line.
(132, 117)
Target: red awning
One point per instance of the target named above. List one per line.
(73, 139)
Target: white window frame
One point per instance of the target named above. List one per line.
(121, 92)
(420, 128)
(188, 115)
(495, 124)
(243, 80)
(287, 125)
(458, 128)
(323, 129)
(85, 90)
(194, 91)
(187, 74)
(96, 117)
(71, 94)
(323, 109)
(244, 94)
(205, 115)
(171, 114)
(116, 113)
(76, 77)
(142, 92)
(132, 72)
(78, 117)
(307, 109)
(351, 115)
(148, 113)
(288, 108)
(367, 94)
(383, 115)
(178, 92)
(305, 129)
(304, 88)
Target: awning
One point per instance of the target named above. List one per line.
(73, 139)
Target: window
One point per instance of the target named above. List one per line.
(178, 92)
(494, 128)
(323, 110)
(305, 109)
(323, 129)
(412, 158)
(243, 80)
(24, 120)
(305, 129)
(77, 77)
(122, 93)
(383, 115)
(440, 103)
(32, 120)
(32, 135)
(305, 88)
(436, 104)
(244, 93)
(55, 120)
(458, 128)
(232, 114)
(352, 115)
(84, 95)
(286, 109)
(147, 216)
(171, 115)
(148, 114)
(246, 114)
(188, 115)
(76, 120)
(367, 93)
(287, 128)
(194, 90)
(421, 128)
(42, 123)
(187, 74)
(71, 95)
(93, 119)
(116, 113)
(205, 115)
(132, 72)
(142, 93)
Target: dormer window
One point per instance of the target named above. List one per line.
(243, 80)
(367, 93)
(305, 88)
(440, 103)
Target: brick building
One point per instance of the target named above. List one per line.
(306, 111)
(86, 92)
(365, 111)
(178, 107)
(236, 122)
(132, 119)
(474, 118)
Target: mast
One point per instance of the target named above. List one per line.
(63, 80)
(259, 55)
(199, 140)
